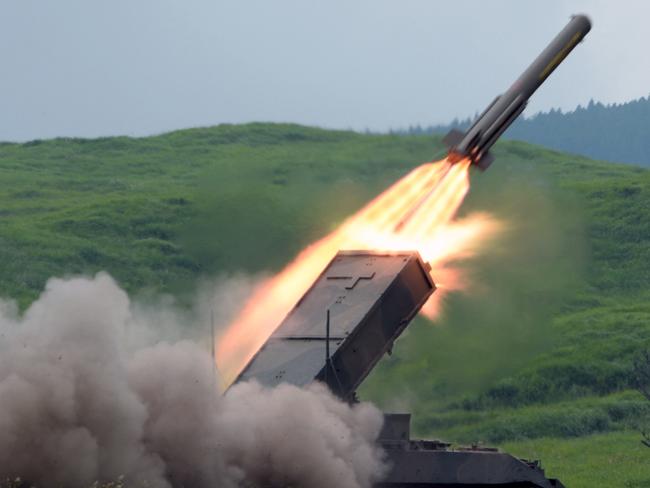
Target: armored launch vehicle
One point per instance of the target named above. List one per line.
(337, 332)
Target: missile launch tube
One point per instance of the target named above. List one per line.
(485, 131)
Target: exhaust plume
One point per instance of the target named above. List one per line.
(86, 395)
(418, 212)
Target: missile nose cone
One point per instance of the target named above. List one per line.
(583, 21)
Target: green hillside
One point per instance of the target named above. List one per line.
(536, 357)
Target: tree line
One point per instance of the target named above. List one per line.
(614, 132)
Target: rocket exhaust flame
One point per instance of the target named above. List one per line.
(443, 172)
(415, 213)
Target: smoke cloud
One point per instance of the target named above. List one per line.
(86, 394)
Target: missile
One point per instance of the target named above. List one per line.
(484, 132)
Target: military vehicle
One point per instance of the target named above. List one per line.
(341, 327)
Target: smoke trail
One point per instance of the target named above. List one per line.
(81, 399)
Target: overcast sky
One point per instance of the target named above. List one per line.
(96, 67)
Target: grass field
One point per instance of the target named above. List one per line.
(536, 358)
(609, 460)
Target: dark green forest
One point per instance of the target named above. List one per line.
(615, 132)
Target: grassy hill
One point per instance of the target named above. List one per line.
(535, 358)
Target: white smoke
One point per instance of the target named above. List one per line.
(86, 395)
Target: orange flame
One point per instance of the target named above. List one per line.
(415, 213)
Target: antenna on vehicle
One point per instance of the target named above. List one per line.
(212, 336)
(212, 351)
(327, 346)
(328, 359)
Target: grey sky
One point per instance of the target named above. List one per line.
(96, 67)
